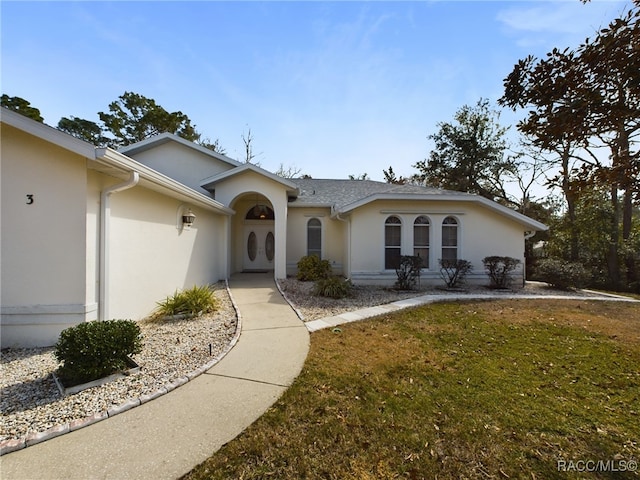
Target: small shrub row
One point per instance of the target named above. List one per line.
(192, 302)
(311, 269)
(93, 350)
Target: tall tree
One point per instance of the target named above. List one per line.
(390, 177)
(469, 154)
(250, 155)
(288, 172)
(215, 145)
(22, 106)
(580, 100)
(133, 118)
(84, 130)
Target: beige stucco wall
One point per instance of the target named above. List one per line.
(333, 238)
(482, 232)
(184, 164)
(43, 287)
(150, 258)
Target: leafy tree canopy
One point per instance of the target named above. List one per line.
(133, 118)
(469, 154)
(22, 106)
(84, 130)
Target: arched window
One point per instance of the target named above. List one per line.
(392, 242)
(421, 239)
(450, 239)
(260, 212)
(314, 237)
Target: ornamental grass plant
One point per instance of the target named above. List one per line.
(188, 303)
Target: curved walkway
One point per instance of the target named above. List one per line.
(167, 437)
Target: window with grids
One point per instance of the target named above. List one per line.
(314, 238)
(392, 242)
(421, 239)
(450, 239)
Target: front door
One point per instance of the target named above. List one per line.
(259, 247)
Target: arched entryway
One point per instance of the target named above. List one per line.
(259, 238)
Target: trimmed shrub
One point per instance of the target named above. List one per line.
(499, 270)
(93, 350)
(408, 272)
(311, 268)
(191, 303)
(562, 274)
(333, 287)
(453, 272)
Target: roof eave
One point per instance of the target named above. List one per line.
(120, 162)
(47, 133)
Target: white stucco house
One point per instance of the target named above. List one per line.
(93, 233)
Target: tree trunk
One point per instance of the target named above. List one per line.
(613, 263)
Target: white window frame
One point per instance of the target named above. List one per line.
(427, 247)
(455, 248)
(319, 227)
(392, 247)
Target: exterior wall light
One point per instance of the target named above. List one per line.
(188, 218)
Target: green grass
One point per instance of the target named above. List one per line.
(463, 390)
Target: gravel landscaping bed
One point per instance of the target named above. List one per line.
(312, 307)
(30, 402)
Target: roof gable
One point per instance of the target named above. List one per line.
(153, 142)
(210, 182)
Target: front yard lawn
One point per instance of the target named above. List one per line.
(508, 389)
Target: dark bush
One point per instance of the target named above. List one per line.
(499, 270)
(408, 272)
(562, 274)
(453, 272)
(93, 350)
(333, 287)
(311, 268)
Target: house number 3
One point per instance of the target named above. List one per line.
(30, 199)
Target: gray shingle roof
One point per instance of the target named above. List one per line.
(339, 193)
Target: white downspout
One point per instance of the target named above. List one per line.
(105, 215)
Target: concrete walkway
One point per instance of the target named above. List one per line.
(167, 437)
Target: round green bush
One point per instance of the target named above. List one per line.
(93, 350)
(311, 268)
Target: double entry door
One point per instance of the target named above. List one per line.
(259, 247)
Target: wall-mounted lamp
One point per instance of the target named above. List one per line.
(188, 218)
(184, 218)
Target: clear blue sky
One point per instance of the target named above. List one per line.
(332, 88)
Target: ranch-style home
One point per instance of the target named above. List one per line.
(94, 233)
